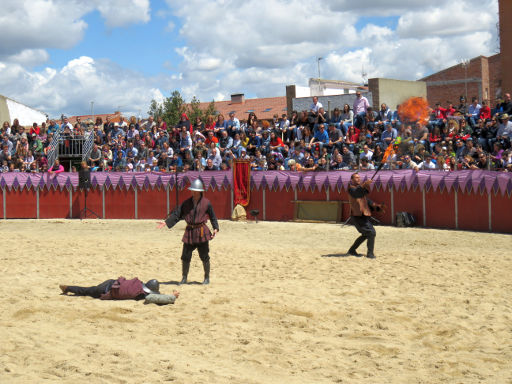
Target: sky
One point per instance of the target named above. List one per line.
(78, 56)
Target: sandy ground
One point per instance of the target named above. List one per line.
(283, 306)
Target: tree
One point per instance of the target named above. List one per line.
(155, 109)
(194, 111)
(173, 107)
(210, 110)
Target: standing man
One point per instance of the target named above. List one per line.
(233, 124)
(361, 104)
(315, 106)
(196, 210)
(361, 207)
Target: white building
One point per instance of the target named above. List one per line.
(11, 109)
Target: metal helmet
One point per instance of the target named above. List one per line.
(197, 185)
(153, 286)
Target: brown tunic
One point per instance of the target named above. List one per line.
(196, 217)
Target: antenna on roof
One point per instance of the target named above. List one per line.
(364, 75)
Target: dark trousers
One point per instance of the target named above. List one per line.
(365, 227)
(95, 292)
(202, 248)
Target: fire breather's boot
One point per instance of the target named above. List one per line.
(371, 244)
(185, 266)
(206, 267)
(353, 249)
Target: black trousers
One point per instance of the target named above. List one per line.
(364, 225)
(95, 291)
(365, 228)
(202, 248)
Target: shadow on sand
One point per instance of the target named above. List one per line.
(173, 282)
(337, 255)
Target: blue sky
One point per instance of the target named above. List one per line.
(123, 53)
(142, 47)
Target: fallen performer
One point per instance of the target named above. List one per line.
(122, 289)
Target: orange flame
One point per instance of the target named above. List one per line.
(414, 109)
(387, 153)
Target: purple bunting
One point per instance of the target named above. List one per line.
(15, 183)
(467, 180)
(28, 184)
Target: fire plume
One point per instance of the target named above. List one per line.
(388, 152)
(414, 109)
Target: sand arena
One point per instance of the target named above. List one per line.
(283, 306)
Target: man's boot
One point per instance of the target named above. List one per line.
(371, 244)
(206, 267)
(353, 249)
(185, 266)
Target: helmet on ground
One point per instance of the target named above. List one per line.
(197, 185)
(152, 286)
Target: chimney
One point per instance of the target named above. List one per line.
(238, 98)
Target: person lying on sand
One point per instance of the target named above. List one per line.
(120, 289)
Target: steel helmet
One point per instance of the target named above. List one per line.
(152, 286)
(197, 185)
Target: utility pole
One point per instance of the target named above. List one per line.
(319, 84)
(465, 64)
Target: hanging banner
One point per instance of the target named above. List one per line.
(241, 182)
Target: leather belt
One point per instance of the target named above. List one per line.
(194, 226)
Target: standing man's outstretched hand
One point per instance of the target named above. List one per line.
(160, 225)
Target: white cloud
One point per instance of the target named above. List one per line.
(449, 20)
(118, 13)
(29, 57)
(40, 24)
(70, 89)
(255, 47)
(194, 61)
(261, 33)
(43, 24)
(379, 7)
(261, 46)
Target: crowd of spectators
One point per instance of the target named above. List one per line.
(354, 137)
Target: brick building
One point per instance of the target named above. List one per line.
(482, 77)
(505, 12)
(264, 108)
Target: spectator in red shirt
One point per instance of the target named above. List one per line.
(211, 139)
(485, 111)
(276, 144)
(438, 118)
(450, 111)
(35, 129)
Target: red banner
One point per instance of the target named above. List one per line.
(241, 182)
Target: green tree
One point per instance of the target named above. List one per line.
(155, 109)
(210, 110)
(173, 107)
(194, 110)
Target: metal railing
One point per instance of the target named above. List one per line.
(87, 146)
(53, 152)
(70, 146)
